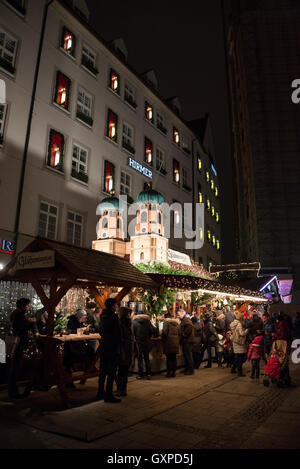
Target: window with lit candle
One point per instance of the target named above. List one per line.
(212, 185)
(114, 81)
(216, 192)
(112, 120)
(213, 211)
(176, 138)
(68, 41)
(218, 245)
(109, 172)
(55, 150)
(148, 151)
(208, 204)
(200, 196)
(199, 164)
(149, 112)
(214, 240)
(62, 91)
(176, 171)
(207, 176)
(209, 236)
(217, 217)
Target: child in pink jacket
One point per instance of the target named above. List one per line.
(255, 353)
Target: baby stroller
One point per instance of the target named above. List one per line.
(277, 367)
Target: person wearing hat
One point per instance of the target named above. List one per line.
(239, 343)
(109, 351)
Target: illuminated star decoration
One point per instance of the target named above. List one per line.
(155, 298)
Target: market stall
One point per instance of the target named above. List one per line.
(52, 268)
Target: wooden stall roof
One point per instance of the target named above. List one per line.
(185, 282)
(90, 267)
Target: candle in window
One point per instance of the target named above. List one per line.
(63, 96)
(176, 175)
(149, 112)
(68, 42)
(56, 156)
(176, 136)
(112, 130)
(114, 79)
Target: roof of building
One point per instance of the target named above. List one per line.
(110, 203)
(87, 265)
(195, 269)
(150, 196)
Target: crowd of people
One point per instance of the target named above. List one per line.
(227, 337)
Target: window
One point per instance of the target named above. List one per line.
(185, 145)
(149, 112)
(148, 155)
(48, 220)
(199, 164)
(62, 91)
(212, 184)
(214, 240)
(176, 138)
(144, 217)
(89, 59)
(207, 176)
(200, 195)
(127, 137)
(185, 179)
(218, 245)
(3, 108)
(56, 150)
(79, 163)
(8, 51)
(125, 185)
(74, 228)
(129, 94)
(114, 81)
(177, 213)
(208, 236)
(84, 107)
(160, 161)
(176, 171)
(217, 217)
(213, 211)
(109, 177)
(18, 5)
(68, 41)
(208, 204)
(160, 122)
(112, 124)
(216, 191)
(147, 186)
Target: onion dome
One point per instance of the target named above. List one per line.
(150, 196)
(110, 203)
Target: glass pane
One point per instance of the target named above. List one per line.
(70, 216)
(44, 207)
(53, 209)
(78, 218)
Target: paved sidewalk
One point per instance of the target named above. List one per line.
(211, 409)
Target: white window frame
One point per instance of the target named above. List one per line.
(77, 159)
(48, 215)
(185, 177)
(129, 89)
(83, 106)
(160, 118)
(2, 120)
(8, 36)
(161, 152)
(90, 54)
(23, 5)
(125, 135)
(74, 224)
(185, 142)
(125, 184)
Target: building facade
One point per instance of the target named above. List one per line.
(263, 52)
(79, 124)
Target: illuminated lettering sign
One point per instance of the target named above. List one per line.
(7, 247)
(140, 168)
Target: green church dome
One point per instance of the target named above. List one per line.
(150, 196)
(110, 203)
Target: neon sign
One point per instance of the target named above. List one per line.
(140, 168)
(7, 247)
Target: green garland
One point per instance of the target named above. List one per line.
(162, 269)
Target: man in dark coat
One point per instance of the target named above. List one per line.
(170, 340)
(109, 350)
(21, 326)
(255, 325)
(126, 350)
(187, 340)
(268, 331)
(229, 318)
(143, 331)
(197, 344)
(210, 339)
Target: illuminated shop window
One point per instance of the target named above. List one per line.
(62, 91)
(112, 123)
(176, 171)
(109, 177)
(176, 138)
(68, 41)
(114, 81)
(56, 150)
(148, 156)
(149, 112)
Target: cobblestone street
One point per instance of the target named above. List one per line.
(210, 410)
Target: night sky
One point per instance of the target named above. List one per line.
(184, 43)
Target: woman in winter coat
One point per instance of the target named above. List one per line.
(170, 339)
(255, 353)
(126, 350)
(143, 331)
(283, 330)
(239, 343)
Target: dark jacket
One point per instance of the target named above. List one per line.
(93, 321)
(268, 330)
(255, 325)
(73, 324)
(110, 333)
(220, 324)
(21, 326)
(210, 336)
(170, 336)
(198, 336)
(143, 331)
(186, 331)
(229, 318)
(283, 331)
(126, 345)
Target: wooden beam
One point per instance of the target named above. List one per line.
(98, 298)
(122, 294)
